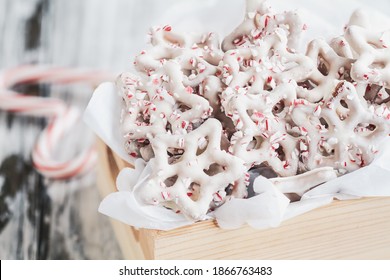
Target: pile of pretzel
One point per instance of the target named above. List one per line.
(210, 113)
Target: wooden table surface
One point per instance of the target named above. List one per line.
(51, 219)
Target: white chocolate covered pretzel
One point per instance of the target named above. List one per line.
(161, 103)
(373, 62)
(367, 48)
(260, 22)
(197, 55)
(172, 91)
(341, 131)
(196, 175)
(329, 70)
(259, 92)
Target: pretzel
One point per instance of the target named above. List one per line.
(197, 55)
(159, 104)
(259, 81)
(329, 70)
(175, 89)
(196, 175)
(373, 63)
(261, 135)
(260, 22)
(342, 48)
(341, 131)
(271, 61)
(365, 46)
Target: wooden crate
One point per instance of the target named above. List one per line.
(357, 229)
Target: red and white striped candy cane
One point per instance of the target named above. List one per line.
(61, 116)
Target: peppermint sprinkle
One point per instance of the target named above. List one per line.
(330, 105)
(267, 125)
(298, 102)
(189, 90)
(265, 135)
(165, 195)
(167, 28)
(317, 111)
(351, 158)
(217, 197)
(133, 154)
(266, 21)
(303, 130)
(193, 62)
(259, 115)
(239, 124)
(201, 67)
(156, 81)
(277, 137)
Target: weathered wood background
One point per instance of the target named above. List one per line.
(40, 218)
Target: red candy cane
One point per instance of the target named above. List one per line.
(61, 116)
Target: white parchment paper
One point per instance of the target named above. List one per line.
(269, 207)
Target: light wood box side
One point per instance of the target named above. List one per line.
(355, 229)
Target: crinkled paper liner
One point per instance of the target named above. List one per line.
(266, 209)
